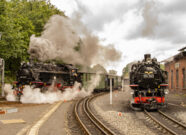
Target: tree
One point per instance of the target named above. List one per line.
(126, 70)
(113, 72)
(19, 19)
(99, 68)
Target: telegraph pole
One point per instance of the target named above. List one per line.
(110, 90)
(122, 83)
(2, 65)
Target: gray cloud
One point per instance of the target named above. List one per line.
(176, 6)
(107, 15)
(159, 23)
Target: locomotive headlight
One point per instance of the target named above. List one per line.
(166, 91)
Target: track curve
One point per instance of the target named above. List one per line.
(88, 121)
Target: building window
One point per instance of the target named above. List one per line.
(177, 78)
(171, 79)
(184, 77)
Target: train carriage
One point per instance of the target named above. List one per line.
(104, 83)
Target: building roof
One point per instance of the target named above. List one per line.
(177, 56)
(168, 59)
(182, 49)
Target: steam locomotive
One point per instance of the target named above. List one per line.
(43, 75)
(61, 76)
(148, 82)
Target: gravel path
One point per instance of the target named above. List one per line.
(178, 98)
(119, 115)
(71, 124)
(177, 106)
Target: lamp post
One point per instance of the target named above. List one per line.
(2, 63)
(110, 79)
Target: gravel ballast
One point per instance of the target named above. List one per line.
(119, 115)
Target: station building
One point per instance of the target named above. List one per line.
(176, 68)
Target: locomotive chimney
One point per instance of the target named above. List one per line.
(147, 56)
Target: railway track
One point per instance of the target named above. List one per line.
(167, 123)
(88, 121)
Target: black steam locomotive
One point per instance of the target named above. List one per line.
(148, 82)
(43, 75)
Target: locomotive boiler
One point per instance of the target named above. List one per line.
(43, 75)
(148, 82)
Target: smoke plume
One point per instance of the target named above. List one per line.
(31, 95)
(70, 41)
(150, 18)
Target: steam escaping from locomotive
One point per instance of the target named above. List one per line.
(69, 40)
(10, 93)
(34, 95)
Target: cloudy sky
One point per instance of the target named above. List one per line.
(135, 27)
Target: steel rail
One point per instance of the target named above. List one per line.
(173, 120)
(104, 129)
(78, 117)
(159, 123)
(96, 121)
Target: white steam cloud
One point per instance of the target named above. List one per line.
(69, 40)
(9, 91)
(31, 95)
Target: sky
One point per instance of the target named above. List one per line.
(134, 27)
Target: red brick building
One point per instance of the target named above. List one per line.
(176, 68)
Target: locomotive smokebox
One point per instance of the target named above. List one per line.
(147, 56)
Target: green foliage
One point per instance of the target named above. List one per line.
(99, 68)
(77, 47)
(113, 72)
(162, 66)
(19, 19)
(126, 71)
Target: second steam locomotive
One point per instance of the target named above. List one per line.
(148, 82)
(61, 76)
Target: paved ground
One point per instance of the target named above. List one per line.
(56, 124)
(60, 122)
(28, 113)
